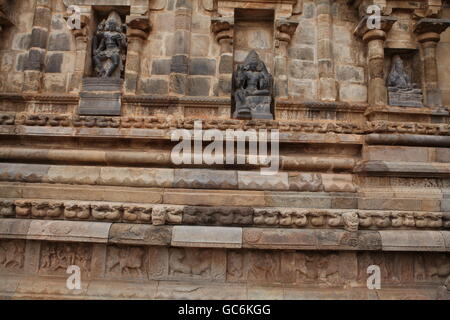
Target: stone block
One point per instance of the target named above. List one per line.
(161, 66)
(302, 69)
(350, 73)
(59, 42)
(226, 63)
(39, 38)
(14, 228)
(301, 53)
(338, 182)
(136, 177)
(279, 239)
(305, 182)
(178, 83)
(443, 155)
(91, 103)
(353, 92)
(69, 231)
(390, 153)
(53, 63)
(214, 198)
(446, 236)
(257, 181)
(137, 234)
(412, 240)
(207, 237)
(23, 172)
(198, 86)
(154, 86)
(74, 174)
(299, 200)
(179, 64)
(200, 45)
(205, 179)
(202, 66)
(35, 60)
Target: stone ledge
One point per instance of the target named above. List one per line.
(137, 234)
(207, 237)
(71, 231)
(404, 169)
(226, 237)
(413, 240)
(229, 215)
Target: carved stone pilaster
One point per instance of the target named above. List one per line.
(375, 43)
(137, 32)
(223, 30)
(428, 35)
(81, 43)
(284, 31)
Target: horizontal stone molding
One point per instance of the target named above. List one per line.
(173, 178)
(225, 237)
(167, 214)
(155, 157)
(207, 237)
(160, 124)
(403, 169)
(67, 231)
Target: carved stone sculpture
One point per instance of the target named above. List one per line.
(402, 92)
(109, 45)
(252, 89)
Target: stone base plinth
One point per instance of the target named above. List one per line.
(405, 98)
(101, 96)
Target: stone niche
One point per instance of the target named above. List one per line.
(253, 44)
(102, 88)
(403, 70)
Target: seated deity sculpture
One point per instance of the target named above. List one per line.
(402, 92)
(109, 47)
(252, 89)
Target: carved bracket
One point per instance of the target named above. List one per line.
(362, 28)
(428, 25)
(138, 26)
(285, 30)
(222, 28)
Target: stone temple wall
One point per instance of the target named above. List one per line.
(86, 176)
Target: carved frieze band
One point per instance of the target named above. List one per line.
(378, 126)
(311, 268)
(161, 214)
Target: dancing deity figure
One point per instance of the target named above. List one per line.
(109, 47)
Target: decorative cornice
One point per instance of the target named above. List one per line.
(161, 214)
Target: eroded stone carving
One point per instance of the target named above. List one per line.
(401, 91)
(7, 208)
(46, 209)
(252, 89)
(57, 256)
(137, 213)
(126, 260)
(109, 45)
(12, 254)
(77, 210)
(106, 211)
(190, 262)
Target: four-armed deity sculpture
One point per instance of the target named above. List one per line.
(252, 89)
(402, 92)
(109, 47)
